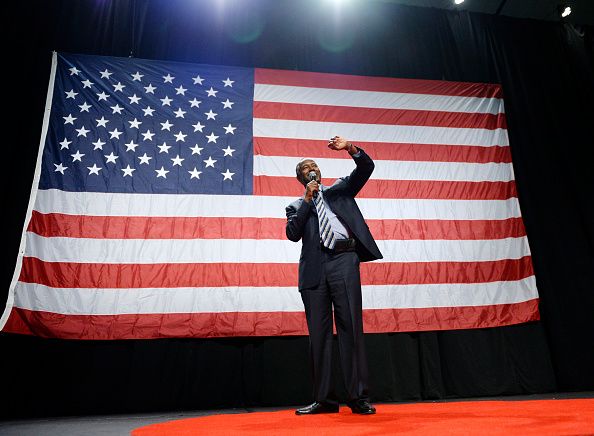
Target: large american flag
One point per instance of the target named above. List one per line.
(157, 208)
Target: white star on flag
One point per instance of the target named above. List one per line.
(148, 111)
(60, 168)
(195, 173)
(127, 171)
(111, 158)
(135, 124)
(77, 156)
(98, 144)
(102, 122)
(177, 160)
(118, 87)
(82, 131)
(180, 137)
(228, 151)
(164, 148)
(94, 169)
(115, 133)
(228, 175)
(196, 150)
(162, 172)
(166, 125)
(134, 99)
(148, 136)
(209, 162)
(131, 146)
(144, 159)
(84, 107)
(69, 119)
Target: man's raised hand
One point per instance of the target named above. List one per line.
(339, 143)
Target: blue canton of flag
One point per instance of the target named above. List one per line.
(127, 125)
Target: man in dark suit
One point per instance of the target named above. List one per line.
(335, 239)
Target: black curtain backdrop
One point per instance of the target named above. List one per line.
(547, 73)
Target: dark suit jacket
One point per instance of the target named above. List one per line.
(302, 222)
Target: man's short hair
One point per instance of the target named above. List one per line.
(300, 177)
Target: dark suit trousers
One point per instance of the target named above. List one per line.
(340, 286)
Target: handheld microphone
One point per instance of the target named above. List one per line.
(313, 176)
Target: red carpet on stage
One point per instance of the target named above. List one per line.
(536, 417)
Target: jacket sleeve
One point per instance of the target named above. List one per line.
(357, 179)
(296, 218)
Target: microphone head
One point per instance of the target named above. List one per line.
(312, 175)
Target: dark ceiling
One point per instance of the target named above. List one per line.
(582, 10)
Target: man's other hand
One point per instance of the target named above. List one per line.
(311, 190)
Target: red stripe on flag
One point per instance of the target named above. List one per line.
(313, 148)
(118, 227)
(449, 318)
(167, 275)
(197, 325)
(381, 84)
(359, 115)
(129, 227)
(428, 273)
(176, 275)
(409, 189)
(446, 229)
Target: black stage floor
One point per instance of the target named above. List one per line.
(117, 425)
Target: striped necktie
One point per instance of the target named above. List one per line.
(326, 234)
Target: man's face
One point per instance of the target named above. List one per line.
(308, 166)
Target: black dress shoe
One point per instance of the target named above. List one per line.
(315, 408)
(362, 407)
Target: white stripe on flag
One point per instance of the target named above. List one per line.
(269, 128)
(266, 299)
(141, 251)
(391, 170)
(375, 99)
(179, 205)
